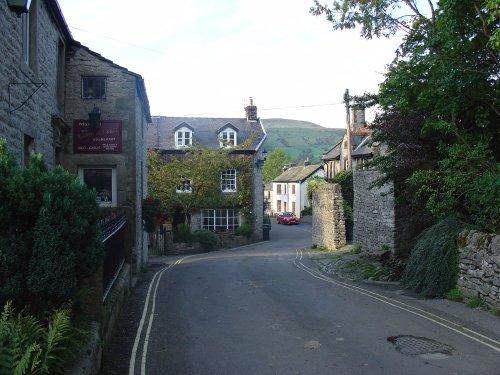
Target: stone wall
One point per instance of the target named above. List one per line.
(35, 119)
(373, 211)
(328, 226)
(479, 266)
(121, 103)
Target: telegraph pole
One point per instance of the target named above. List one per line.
(348, 130)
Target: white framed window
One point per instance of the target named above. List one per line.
(103, 180)
(228, 181)
(94, 87)
(228, 138)
(183, 137)
(185, 186)
(220, 220)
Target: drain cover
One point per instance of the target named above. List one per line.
(413, 346)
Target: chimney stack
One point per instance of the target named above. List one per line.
(251, 111)
(307, 163)
(357, 118)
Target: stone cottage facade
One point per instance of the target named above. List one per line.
(170, 136)
(290, 188)
(112, 157)
(337, 158)
(32, 62)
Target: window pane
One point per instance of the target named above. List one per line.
(102, 181)
(93, 87)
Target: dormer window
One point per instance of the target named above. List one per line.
(183, 136)
(228, 136)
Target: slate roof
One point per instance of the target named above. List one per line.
(297, 174)
(161, 132)
(357, 141)
(363, 149)
(333, 153)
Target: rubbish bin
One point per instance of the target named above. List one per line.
(266, 228)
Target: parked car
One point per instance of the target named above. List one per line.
(287, 218)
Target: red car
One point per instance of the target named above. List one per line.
(287, 218)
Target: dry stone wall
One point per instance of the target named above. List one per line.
(328, 226)
(373, 211)
(479, 266)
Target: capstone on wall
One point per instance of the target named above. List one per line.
(373, 211)
(479, 266)
(34, 119)
(328, 225)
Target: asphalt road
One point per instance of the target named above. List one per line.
(264, 309)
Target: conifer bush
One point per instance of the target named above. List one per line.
(432, 267)
(49, 234)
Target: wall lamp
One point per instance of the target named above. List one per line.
(19, 6)
(95, 118)
(259, 163)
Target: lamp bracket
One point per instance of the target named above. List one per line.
(38, 85)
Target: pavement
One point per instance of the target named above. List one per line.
(347, 267)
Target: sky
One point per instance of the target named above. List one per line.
(205, 58)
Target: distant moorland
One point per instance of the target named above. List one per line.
(300, 139)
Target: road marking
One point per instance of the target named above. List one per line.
(154, 282)
(476, 336)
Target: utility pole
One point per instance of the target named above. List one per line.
(348, 130)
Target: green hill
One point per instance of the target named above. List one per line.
(300, 139)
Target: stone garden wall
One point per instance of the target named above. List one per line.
(373, 211)
(479, 266)
(328, 226)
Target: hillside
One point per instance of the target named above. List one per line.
(300, 139)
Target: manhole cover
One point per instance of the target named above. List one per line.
(413, 346)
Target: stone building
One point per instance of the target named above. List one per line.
(337, 158)
(172, 135)
(49, 86)
(110, 156)
(32, 61)
(289, 192)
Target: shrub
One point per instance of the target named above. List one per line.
(344, 179)
(182, 233)
(307, 211)
(433, 263)
(266, 220)
(32, 346)
(49, 234)
(244, 230)
(207, 239)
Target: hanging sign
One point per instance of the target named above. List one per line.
(107, 138)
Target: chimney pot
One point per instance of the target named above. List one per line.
(251, 111)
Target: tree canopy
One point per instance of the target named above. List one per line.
(273, 166)
(439, 102)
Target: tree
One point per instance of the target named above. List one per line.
(193, 179)
(376, 17)
(442, 91)
(273, 166)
